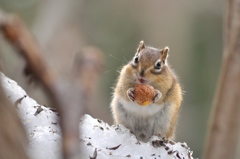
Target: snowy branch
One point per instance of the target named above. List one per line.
(97, 139)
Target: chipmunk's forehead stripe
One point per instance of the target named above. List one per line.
(152, 48)
(150, 55)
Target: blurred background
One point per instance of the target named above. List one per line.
(192, 29)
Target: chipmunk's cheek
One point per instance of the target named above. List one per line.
(147, 76)
(134, 75)
(129, 72)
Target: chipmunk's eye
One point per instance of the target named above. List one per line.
(136, 59)
(158, 65)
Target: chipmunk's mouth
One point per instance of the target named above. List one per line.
(141, 80)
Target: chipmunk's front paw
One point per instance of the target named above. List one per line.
(130, 94)
(157, 96)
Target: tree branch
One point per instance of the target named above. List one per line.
(69, 105)
(224, 126)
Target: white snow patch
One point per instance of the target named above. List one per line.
(115, 141)
(42, 129)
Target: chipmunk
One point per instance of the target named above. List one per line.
(148, 66)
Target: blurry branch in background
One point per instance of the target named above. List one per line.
(224, 125)
(69, 105)
(50, 16)
(13, 139)
(58, 33)
(87, 66)
(17, 34)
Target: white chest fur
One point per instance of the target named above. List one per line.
(144, 121)
(144, 111)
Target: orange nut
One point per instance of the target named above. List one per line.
(144, 94)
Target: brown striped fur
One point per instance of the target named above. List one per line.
(165, 81)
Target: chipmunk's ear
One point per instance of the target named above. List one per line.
(164, 53)
(140, 46)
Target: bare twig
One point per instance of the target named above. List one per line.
(18, 35)
(224, 128)
(69, 105)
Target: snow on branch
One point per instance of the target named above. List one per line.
(98, 140)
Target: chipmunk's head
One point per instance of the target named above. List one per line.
(149, 64)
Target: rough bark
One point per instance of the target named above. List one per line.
(68, 106)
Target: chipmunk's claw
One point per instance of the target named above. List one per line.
(157, 96)
(130, 94)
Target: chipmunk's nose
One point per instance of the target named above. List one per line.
(142, 73)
